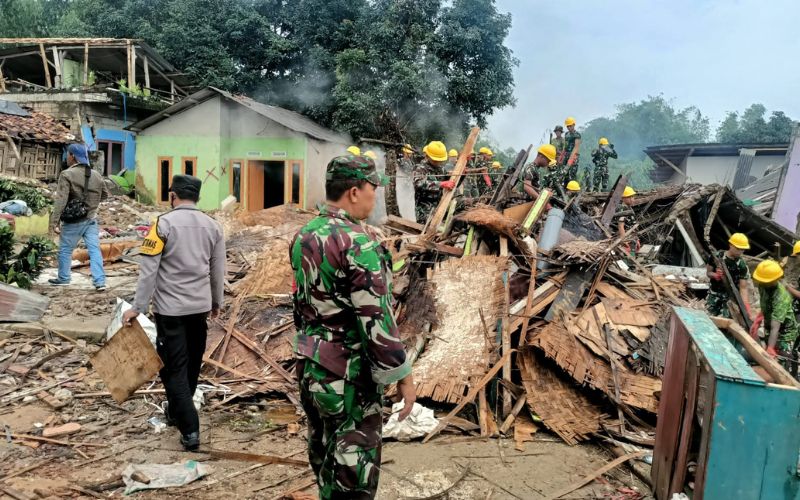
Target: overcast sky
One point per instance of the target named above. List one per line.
(582, 57)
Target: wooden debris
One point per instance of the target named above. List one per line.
(61, 430)
(599, 472)
(127, 361)
(252, 457)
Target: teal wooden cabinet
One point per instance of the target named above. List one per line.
(715, 411)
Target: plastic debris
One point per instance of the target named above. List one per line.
(420, 422)
(162, 475)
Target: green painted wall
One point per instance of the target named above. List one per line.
(212, 154)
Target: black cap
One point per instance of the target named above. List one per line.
(559, 127)
(185, 184)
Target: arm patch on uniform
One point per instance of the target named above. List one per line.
(152, 244)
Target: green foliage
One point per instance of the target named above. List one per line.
(412, 70)
(753, 128)
(24, 267)
(33, 197)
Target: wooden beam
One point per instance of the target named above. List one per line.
(146, 71)
(128, 58)
(48, 84)
(63, 41)
(458, 171)
(133, 66)
(505, 336)
(58, 83)
(86, 64)
(613, 201)
(672, 165)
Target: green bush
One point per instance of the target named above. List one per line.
(36, 200)
(24, 267)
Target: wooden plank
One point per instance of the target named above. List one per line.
(536, 211)
(758, 353)
(687, 422)
(613, 201)
(127, 361)
(599, 472)
(86, 64)
(506, 333)
(402, 224)
(48, 84)
(447, 197)
(61, 430)
(271, 362)
(529, 300)
(629, 312)
(469, 397)
(613, 362)
(57, 65)
(569, 296)
(146, 71)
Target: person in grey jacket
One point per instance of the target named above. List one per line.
(183, 270)
(71, 185)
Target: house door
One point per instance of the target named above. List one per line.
(265, 184)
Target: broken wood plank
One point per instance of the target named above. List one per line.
(18, 305)
(513, 415)
(61, 430)
(27, 437)
(458, 171)
(252, 457)
(404, 225)
(569, 296)
(758, 353)
(613, 362)
(256, 349)
(469, 397)
(612, 203)
(536, 211)
(127, 361)
(599, 472)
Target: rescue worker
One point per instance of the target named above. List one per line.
(347, 344)
(430, 179)
(545, 158)
(573, 188)
(599, 179)
(78, 195)
(777, 314)
(354, 150)
(452, 158)
(558, 141)
(183, 269)
(794, 289)
(572, 148)
(371, 155)
(626, 219)
(478, 181)
(407, 158)
(555, 175)
(718, 295)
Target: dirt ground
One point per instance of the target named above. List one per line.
(410, 470)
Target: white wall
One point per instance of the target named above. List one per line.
(202, 120)
(722, 169)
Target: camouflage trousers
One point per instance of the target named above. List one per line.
(344, 433)
(424, 210)
(572, 172)
(717, 304)
(599, 178)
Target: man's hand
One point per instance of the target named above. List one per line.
(447, 185)
(772, 351)
(129, 316)
(408, 392)
(717, 275)
(756, 324)
(57, 230)
(570, 162)
(214, 314)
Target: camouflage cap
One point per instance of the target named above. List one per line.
(355, 167)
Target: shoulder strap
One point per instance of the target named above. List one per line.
(87, 176)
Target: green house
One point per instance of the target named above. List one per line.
(262, 155)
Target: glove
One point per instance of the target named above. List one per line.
(749, 311)
(447, 185)
(570, 162)
(487, 180)
(756, 324)
(771, 351)
(717, 275)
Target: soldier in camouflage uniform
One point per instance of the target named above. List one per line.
(478, 182)
(600, 156)
(347, 344)
(572, 148)
(429, 180)
(529, 177)
(559, 142)
(776, 312)
(718, 295)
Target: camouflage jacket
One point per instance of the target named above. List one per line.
(601, 155)
(737, 268)
(529, 173)
(560, 144)
(427, 180)
(776, 305)
(554, 177)
(342, 300)
(569, 143)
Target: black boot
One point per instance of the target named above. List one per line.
(190, 441)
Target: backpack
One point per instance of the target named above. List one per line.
(77, 209)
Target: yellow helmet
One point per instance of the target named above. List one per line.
(549, 152)
(573, 186)
(796, 249)
(407, 149)
(603, 141)
(496, 164)
(767, 272)
(371, 155)
(629, 191)
(354, 150)
(452, 153)
(436, 150)
(485, 151)
(569, 121)
(740, 241)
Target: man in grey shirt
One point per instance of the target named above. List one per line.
(183, 270)
(78, 182)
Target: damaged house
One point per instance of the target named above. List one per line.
(262, 155)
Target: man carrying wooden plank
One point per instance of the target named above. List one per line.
(718, 295)
(183, 270)
(429, 180)
(777, 313)
(347, 345)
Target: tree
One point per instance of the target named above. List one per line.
(752, 128)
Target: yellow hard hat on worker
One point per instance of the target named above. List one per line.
(603, 141)
(573, 186)
(629, 191)
(569, 121)
(354, 150)
(767, 272)
(485, 151)
(796, 249)
(407, 149)
(452, 153)
(436, 150)
(496, 165)
(740, 241)
(549, 152)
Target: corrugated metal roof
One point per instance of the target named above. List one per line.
(289, 119)
(35, 127)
